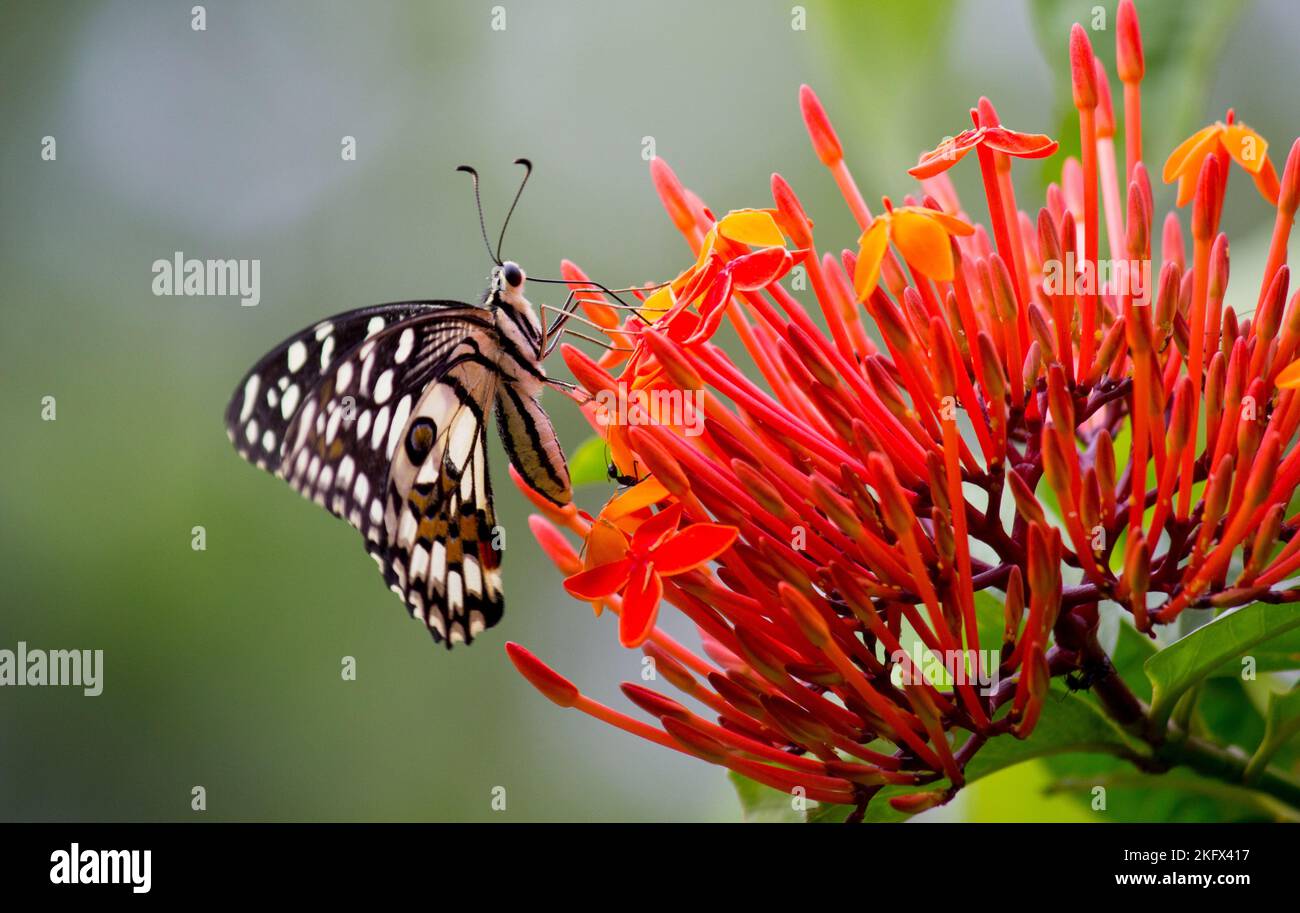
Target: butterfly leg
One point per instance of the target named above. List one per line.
(551, 335)
(551, 341)
(573, 389)
(563, 314)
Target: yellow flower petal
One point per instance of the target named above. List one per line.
(1190, 152)
(870, 255)
(658, 304)
(754, 227)
(1247, 148)
(706, 248)
(1289, 378)
(922, 241)
(643, 494)
(951, 224)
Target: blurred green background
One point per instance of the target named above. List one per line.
(222, 667)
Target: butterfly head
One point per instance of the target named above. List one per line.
(507, 287)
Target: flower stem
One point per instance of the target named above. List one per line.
(1171, 746)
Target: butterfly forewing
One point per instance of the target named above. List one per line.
(270, 395)
(339, 447)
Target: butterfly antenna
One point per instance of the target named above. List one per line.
(528, 170)
(478, 201)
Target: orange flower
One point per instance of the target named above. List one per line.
(922, 237)
(725, 265)
(1231, 139)
(1000, 139)
(1289, 378)
(637, 567)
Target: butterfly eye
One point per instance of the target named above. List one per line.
(513, 275)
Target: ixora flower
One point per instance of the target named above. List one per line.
(898, 536)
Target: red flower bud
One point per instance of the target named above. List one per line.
(1083, 72)
(542, 677)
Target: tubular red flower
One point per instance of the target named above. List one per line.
(812, 515)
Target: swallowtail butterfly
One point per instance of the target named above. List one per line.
(380, 416)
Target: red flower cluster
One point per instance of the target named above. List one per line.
(837, 505)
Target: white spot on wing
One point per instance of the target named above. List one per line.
(438, 566)
(473, 576)
(384, 386)
(381, 426)
(405, 343)
(461, 437)
(400, 415)
(406, 529)
(250, 395)
(290, 402)
(297, 355)
(344, 377)
(419, 563)
(455, 593)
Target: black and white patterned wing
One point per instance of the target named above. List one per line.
(272, 392)
(530, 440)
(389, 435)
(444, 554)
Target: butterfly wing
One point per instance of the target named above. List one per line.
(530, 440)
(444, 556)
(273, 391)
(358, 412)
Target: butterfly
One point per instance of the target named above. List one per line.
(380, 416)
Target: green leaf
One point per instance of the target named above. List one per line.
(1185, 795)
(588, 465)
(763, 805)
(1280, 726)
(1068, 724)
(1187, 661)
(825, 813)
(1280, 654)
(1226, 715)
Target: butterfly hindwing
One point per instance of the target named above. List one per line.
(444, 554)
(534, 448)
